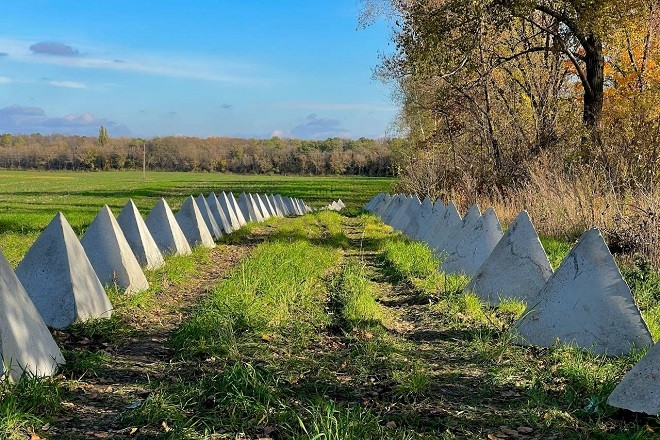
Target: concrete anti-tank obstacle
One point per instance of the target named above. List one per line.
(139, 238)
(382, 205)
(26, 345)
(288, 203)
(404, 214)
(110, 254)
(475, 246)
(279, 200)
(369, 206)
(639, 391)
(230, 213)
(341, 204)
(237, 209)
(221, 215)
(450, 241)
(444, 227)
(166, 230)
(255, 206)
(392, 208)
(60, 280)
(378, 203)
(518, 267)
(209, 218)
(421, 216)
(247, 208)
(298, 207)
(263, 208)
(273, 203)
(434, 222)
(269, 205)
(193, 225)
(587, 303)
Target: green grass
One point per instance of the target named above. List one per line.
(25, 404)
(30, 199)
(357, 296)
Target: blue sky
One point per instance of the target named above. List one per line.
(243, 68)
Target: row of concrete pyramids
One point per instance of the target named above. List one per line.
(586, 302)
(61, 279)
(336, 205)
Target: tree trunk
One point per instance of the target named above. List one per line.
(593, 94)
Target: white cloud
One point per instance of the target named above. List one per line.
(333, 106)
(68, 84)
(5, 80)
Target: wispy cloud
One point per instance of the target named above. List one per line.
(54, 49)
(5, 80)
(172, 65)
(315, 128)
(68, 84)
(333, 106)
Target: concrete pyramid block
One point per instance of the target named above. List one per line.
(380, 208)
(288, 203)
(110, 254)
(263, 208)
(298, 207)
(252, 200)
(419, 218)
(273, 202)
(237, 209)
(139, 238)
(248, 208)
(166, 230)
(221, 215)
(209, 218)
(192, 224)
(269, 205)
(393, 208)
(435, 221)
(475, 246)
(341, 204)
(450, 241)
(518, 267)
(60, 280)
(443, 228)
(26, 344)
(371, 204)
(404, 214)
(280, 203)
(639, 391)
(227, 208)
(586, 302)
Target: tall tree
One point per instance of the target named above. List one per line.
(103, 136)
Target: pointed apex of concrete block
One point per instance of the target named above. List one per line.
(193, 225)
(166, 230)
(247, 208)
(639, 391)
(472, 214)
(110, 254)
(237, 209)
(26, 345)
(139, 238)
(518, 267)
(475, 245)
(341, 204)
(210, 219)
(59, 278)
(223, 214)
(586, 302)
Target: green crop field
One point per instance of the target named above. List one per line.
(30, 199)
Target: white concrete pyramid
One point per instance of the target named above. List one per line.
(381, 206)
(263, 208)
(110, 254)
(247, 208)
(297, 207)
(209, 218)
(450, 241)
(444, 228)
(639, 391)
(402, 217)
(224, 218)
(280, 203)
(60, 280)
(269, 205)
(166, 230)
(586, 302)
(229, 212)
(26, 345)
(192, 224)
(475, 246)
(341, 204)
(288, 204)
(255, 206)
(435, 221)
(139, 238)
(394, 206)
(419, 218)
(273, 202)
(518, 267)
(237, 209)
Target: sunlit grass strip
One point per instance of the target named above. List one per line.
(356, 296)
(26, 404)
(277, 291)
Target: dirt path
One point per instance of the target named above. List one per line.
(98, 400)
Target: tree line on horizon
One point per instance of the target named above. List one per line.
(333, 156)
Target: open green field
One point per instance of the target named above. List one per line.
(30, 199)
